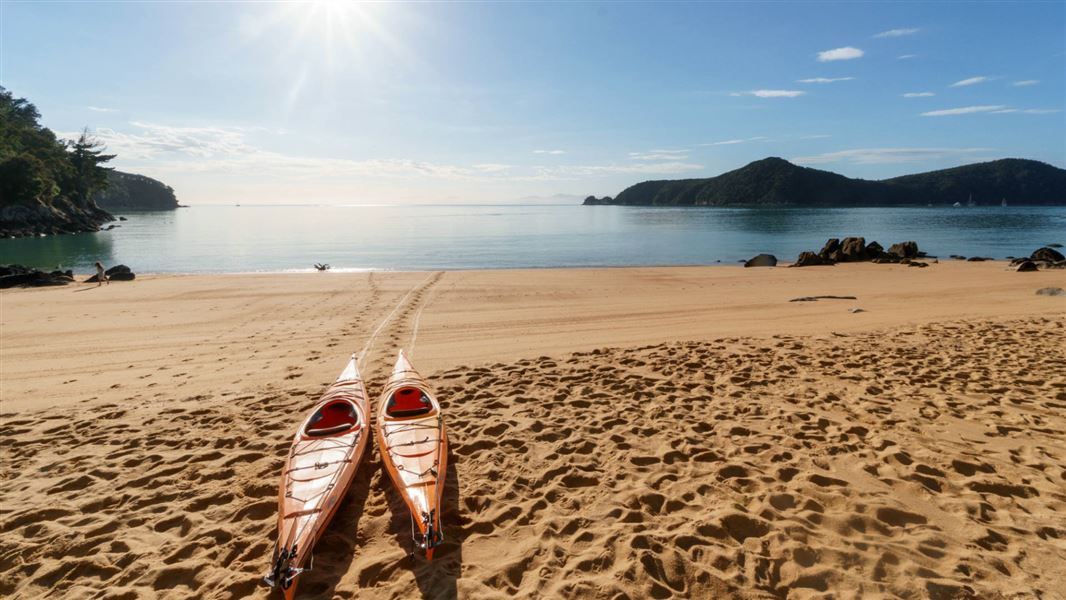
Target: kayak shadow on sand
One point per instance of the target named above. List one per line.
(436, 579)
(334, 553)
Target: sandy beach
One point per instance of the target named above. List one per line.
(618, 433)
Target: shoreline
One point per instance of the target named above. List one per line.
(363, 270)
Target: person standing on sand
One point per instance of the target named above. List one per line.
(101, 276)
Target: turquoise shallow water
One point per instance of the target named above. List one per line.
(292, 238)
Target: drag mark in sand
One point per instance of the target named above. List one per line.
(418, 316)
(377, 331)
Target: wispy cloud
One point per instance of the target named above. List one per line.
(824, 79)
(880, 156)
(771, 93)
(580, 171)
(970, 81)
(225, 150)
(918, 94)
(964, 110)
(906, 56)
(1025, 82)
(1027, 111)
(891, 33)
(815, 136)
(549, 152)
(736, 141)
(101, 109)
(845, 53)
(659, 155)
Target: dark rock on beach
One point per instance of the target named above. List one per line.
(19, 276)
(908, 249)
(762, 260)
(810, 259)
(1051, 291)
(1026, 266)
(1047, 254)
(853, 249)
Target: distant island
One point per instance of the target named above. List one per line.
(53, 186)
(127, 191)
(776, 182)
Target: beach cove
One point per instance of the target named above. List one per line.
(623, 432)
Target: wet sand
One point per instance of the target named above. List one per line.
(683, 432)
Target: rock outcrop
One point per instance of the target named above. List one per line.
(1047, 254)
(762, 260)
(855, 249)
(19, 276)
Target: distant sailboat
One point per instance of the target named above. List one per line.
(1003, 203)
(970, 201)
(956, 205)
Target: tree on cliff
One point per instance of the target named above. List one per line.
(46, 184)
(87, 156)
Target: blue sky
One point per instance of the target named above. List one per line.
(482, 102)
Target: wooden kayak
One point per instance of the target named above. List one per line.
(321, 465)
(414, 449)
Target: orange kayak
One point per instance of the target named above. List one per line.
(319, 470)
(414, 450)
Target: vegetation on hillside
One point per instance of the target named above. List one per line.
(126, 191)
(46, 182)
(777, 182)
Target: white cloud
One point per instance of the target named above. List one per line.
(878, 156)
(891, 33)
(771, 93)
(965, 110)
(824, 79)
(736, 141)
(816, 136)
(659, 155)
(556, 152)
(906, 56)
(918, 94)
(103, 110)
(1026, 82)
(845, 53)
(970, 81)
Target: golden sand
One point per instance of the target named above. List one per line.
(615, 433)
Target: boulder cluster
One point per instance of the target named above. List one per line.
(1044, 258)
(20, 276)
(855, 249)
(115, 273)
(61, 217)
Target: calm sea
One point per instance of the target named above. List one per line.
(293, 238)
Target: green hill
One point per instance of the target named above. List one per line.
(126, 191)
(777, 182)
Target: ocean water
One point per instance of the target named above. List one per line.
(292, 238)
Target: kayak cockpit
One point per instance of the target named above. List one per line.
(408, 402)
(334, 418)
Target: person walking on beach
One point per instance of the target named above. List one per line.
(101, 276)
